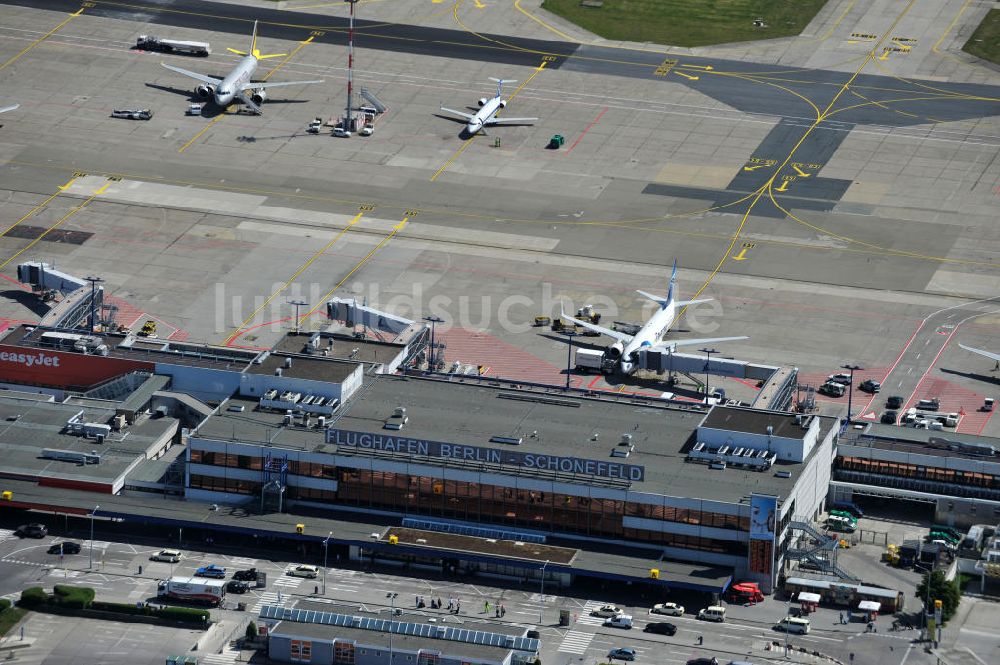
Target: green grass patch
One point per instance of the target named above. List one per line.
(10, 618)
(689, 22)
(985, 41)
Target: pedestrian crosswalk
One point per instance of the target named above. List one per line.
(586, 618)
(576, 642)
(288, 582)
(268, 598)
(227, 657)
(243, 561)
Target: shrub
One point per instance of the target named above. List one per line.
(121, 608)
(75, 597)
(4, 604)
(251, 631)
(34, 597)
(187, 614)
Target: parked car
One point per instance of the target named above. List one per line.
(889, 417)
(249, 575)
(714, 613)
(31, 531)
(237, 586)
(304, 571)
(843, 379)
(895, 402)
(931, 404)
(670, 609)
(622, 653)
(65, 547)
(661, 628)
(607, 611)
(833, 389)
(170, 556)
(703, 661)
(847, 506)
(870, 386)
(211, 570)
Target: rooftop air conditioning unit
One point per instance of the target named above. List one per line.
(277, 371)
(288, 362)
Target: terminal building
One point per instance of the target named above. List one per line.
(320, 435)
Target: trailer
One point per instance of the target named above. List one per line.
(150, 43)
(192, 589)
(589, 360)
(132, 114)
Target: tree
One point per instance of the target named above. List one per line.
(251, 631)
(940, 589)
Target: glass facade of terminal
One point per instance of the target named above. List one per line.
(410, 494)
(936, 480)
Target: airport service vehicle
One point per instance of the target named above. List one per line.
(870, 386)
(625, 351)
(622, 653)
(342, 133)
(930, 404)
(151, 43)
(65, 547)
(620, 621)
(588, 359)
(662, 628)
(192, 589)
(237, 86)
(367, 130)
(715, 613)
(607, 611)
(211, 570)
(669, 609)
(193, 109)
(31, 531)
(304, 571)
(833, 389)
(132, 114)
(843, 379)
(851, 508)
(487, 113)
(170, 556)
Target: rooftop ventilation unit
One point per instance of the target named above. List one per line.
(783, 474)
(288, 362)
(509, 440)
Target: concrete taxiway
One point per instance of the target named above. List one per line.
(828, 209)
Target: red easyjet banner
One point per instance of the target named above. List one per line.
(58, 369)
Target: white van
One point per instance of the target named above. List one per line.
(713, 613)
(795, 625)
(620, 621)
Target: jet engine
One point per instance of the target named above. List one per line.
(258, 96)
(482, 102)
(614, 351)
(503, 103)
(204, 91)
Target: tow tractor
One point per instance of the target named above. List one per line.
(132, 114)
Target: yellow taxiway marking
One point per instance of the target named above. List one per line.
(264, 78)
(550, 28)
(742, 256)
(469, 140)
(706, 68)
(395, 229)
(754, 168)
(885, 54)
(800, 172)
(67, 185)
(72, 211)
(783, 187)
(41, 39)
(37, 208)
(687, 76)
(479, 4)
(290, 280)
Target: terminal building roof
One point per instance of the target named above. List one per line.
(339, 347)
(490, 415)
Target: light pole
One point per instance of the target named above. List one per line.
(392, 612)
(325, 548)
(542, 599)
(94, 281)
(708, 359)
(297, 304)
(433, 320)
(570, 334)
(850, 388)
(788, 612)
(349, 119)
(96, 508)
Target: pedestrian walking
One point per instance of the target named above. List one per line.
(701, 639)
(503, 610)
(497, 612)
(486, 607)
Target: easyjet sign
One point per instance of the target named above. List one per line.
(29, 359)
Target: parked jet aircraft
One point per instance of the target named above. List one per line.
(625, 350)
(988, 354)
(487, 114)
(237, 83)
(4, 109)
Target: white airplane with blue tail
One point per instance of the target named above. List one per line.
(487, 114)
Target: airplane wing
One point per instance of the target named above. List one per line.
(259, 86)
(467, 116)
(4, 109)
(988, 354)
(620, 336)
(211, 80)
(673, 344)
(512, 121)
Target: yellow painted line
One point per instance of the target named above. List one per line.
(72, 211)
(800, 172)
(67, 185)
(754, 168)
(380, 245)
(742, 256)
(479, 4)
(41, 39)
(202, 131)
(36, 209)
(687, 76)
(840, 19)
(707, 68)
(290, 280)
(550, 28)
(947, 31)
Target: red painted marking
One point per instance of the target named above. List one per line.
(244, 331)
(893, 366)
(14, 281)
(587, 129)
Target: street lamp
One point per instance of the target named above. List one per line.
(297, 304)
(542, 599)
(392, 612)
(325, 549)
(708, 359)
(434, 320)
(850, 388)
(788, 612)
(349, 119)
(96, 508)
(570, 334)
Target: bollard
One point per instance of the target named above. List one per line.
(140, 569)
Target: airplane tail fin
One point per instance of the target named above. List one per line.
(672, 289)
(500, 83)
(253, 48)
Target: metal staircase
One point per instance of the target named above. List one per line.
(821, 552)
